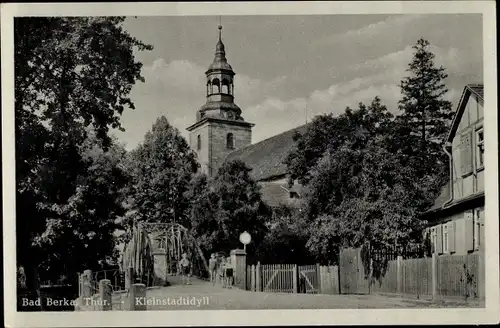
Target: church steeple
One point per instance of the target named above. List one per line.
(219, 128)
(220, 87)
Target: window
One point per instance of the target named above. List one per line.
(229, 141)
(478, 219)
(198, 145)
(480, 148)
(445, 239)
(434, 239)
(216, 86)
(465, 154)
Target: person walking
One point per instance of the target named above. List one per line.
(212, 267)
(229, 274)
(185, 267)
(222, 269)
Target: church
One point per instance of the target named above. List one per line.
(221, 134)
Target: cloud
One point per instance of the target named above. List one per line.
(371, 31)
(177, 90)
(376, 77)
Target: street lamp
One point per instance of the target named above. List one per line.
(245, 239)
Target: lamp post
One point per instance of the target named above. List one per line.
(245, 239)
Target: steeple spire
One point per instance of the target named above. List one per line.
(220, 86)
(220, 28)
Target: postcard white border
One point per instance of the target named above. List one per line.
(252, 317)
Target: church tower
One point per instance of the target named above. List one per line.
(219, 128)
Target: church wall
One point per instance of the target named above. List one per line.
(242, 137)
(203, 154)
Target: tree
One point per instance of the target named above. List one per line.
(226, 206)
(79, 233)
(285, 241)
(425, 115)
(328, 132)
(70, 74)
(162, 167)
(360, 190)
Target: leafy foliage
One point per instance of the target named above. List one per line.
(285, 241)
(226, 206)
(328, 133)
(72, 76)
(79, 233)
(370, 175)
(162, 167)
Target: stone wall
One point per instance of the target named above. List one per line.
(203, 153)
(242, 137)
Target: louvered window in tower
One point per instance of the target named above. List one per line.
(229, 141)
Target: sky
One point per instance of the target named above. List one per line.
(291, 68)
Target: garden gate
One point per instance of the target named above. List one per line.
(352, 273)
(308, 279)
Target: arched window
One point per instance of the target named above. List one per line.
(198, 144)
(229, 141)
(225, 86)
(216, 86)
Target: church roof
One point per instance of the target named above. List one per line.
(266, 158)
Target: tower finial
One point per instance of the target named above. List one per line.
(220, 28)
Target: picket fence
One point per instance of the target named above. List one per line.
(291, 278)
(455, 276)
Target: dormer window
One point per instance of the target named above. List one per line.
(229, 141)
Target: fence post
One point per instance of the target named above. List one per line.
(481, 275)
(129, 278)
(160, 266)
(87, 283)
(258, 277)
(239, 262)
(399, 269)
(294, 278)
(137, 297)
(79, 279)
(254, 274)
(105, 293)
(434, 268)
(318, 279)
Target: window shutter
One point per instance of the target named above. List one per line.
(439, 246)
(469, 230)
(451, 236)
(481, 230)
(433, 243)
(466, 153)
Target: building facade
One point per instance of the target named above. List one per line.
(456, 221)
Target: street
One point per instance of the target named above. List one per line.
(203, 295)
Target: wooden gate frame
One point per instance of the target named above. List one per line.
(314, 290)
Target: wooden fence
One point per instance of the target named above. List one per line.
(291, 278)
(455, 276)
(440, 276)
